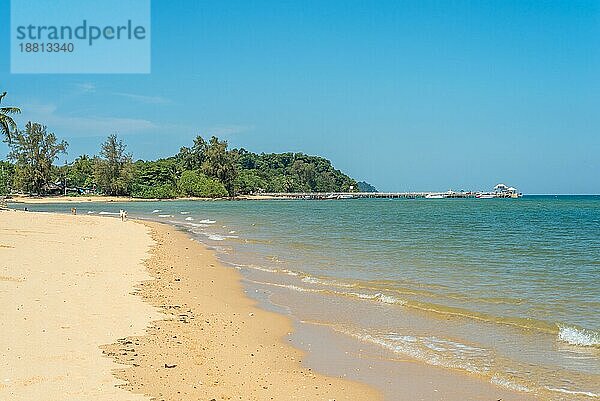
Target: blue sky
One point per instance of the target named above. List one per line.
(406, 95)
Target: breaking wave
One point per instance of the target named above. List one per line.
(334, 283)
(509, 384)
(572, 392)
(577, 336)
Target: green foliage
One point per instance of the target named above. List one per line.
(162, 171)
(163, 191)
(193, 158)
(364, 186)
(248, 182)
(220, 163)
(7, 171)
(113, 170)
(155, 179)
(33, 151)
(289, 172)
(207, 169)
(80, 173)
(8, 127)
(192, 183)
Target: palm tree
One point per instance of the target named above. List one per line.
(7, 124)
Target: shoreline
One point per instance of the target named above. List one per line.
(209, 341)
(27, 200)
(166, 291)
(215, 342)
(337, 355)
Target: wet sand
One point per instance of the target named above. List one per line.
(215, 343)
(73, 329)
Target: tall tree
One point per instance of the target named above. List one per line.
(33, 151)
(81, 172)
(192, 183)
(7, 124)
(192, 158)
(155, 179)
(114, 167)
(7, 171)
(220, 164)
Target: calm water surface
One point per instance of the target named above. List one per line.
(508, 289)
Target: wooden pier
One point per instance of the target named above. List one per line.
(368, 195)
(500, 191)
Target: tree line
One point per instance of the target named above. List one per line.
(207, 168)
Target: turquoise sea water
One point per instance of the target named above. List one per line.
(507, 289)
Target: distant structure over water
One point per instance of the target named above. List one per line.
(500, 191)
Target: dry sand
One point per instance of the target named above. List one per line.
(65, 293)
(72, 199)
(101, 198)
(65, 284)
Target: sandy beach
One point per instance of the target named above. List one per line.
(73, 329)
(65, 289)
(33, 200)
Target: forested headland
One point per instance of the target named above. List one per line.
(205, 168)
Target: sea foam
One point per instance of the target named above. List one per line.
(573, 392)
(581, 337)
(386, 299)
(197, 225)
(334, 283)
(509, 384)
